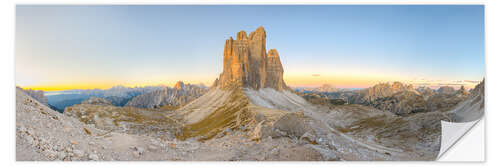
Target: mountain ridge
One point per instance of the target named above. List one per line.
(179, 95)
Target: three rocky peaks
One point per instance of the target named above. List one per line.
(247, 64)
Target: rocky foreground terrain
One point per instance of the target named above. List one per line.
(248, 114)
(44, 134)
(37, 95)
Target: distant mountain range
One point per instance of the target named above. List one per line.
(179, 95)
(117, 95)
(399, 98)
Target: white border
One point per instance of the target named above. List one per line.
(7, 101)
(451, 134)
(469, 147)
(266, 2)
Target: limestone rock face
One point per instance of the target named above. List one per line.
(247, 64)
(274, 76)
(446, 90)
(381, 90)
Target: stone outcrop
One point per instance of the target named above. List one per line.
(472, 108)
(446, 90)
(402, 103)
(462, 91)
(247, 64)
(37, 95)
(425, 91)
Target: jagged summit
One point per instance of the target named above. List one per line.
(179, 85)
(247, 64)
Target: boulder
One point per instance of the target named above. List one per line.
(257, 132)
(290, 125)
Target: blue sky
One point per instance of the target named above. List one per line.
(348, 46)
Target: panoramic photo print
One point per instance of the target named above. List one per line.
(244, 82)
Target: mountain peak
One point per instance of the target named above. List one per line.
(242, 35)
(247, 64)
(179, 85)
(259, 34)
(272, 53)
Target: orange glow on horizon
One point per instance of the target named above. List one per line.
(293, 80)
(66, 87)
(104, 85)
(339, 81)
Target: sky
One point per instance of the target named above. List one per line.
(347, 46)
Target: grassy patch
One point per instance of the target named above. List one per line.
(230, 115)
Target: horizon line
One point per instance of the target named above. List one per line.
(62, 87)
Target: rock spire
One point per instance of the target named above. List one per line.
(247, 64)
